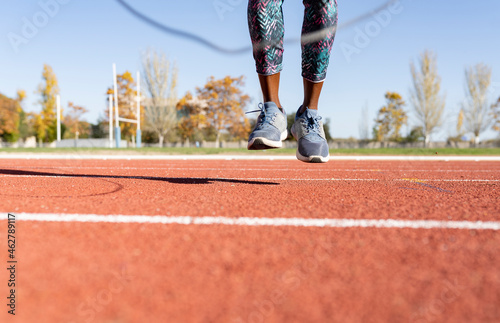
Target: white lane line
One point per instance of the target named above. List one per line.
(62, 176)
(76, 156)
(273, 222)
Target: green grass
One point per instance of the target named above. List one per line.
(242, 151)
(418, 151)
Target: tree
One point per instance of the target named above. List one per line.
(9, 118)
(25, 119)
(161, 84)
(225, 103)
(21, 96)
(460, 123)
(496, 115)
(46, 124)
(38, 127)
(193, 120)
(73, 122)
(100, 128)
(127, 104)
(290, 119)
(221, 103)
(427, 103)
(25, 126)
(475, 106)
(390, 118)
(415, 134)
(326, 129)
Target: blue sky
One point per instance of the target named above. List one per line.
(83, 38)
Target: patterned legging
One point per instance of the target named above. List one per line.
(265, 21)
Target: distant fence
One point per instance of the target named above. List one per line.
(88, 143)
(337, 144)
(437, 144)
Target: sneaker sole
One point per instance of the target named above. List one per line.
(312, 159)
(261, 143)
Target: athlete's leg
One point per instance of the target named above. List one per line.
(312, 90)
(270, 85)
(318, 33)
(265, 22)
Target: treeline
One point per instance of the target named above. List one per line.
(213, 112)
(475, 114)
(16, 123)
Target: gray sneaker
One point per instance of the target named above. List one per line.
(308, 130)
(270, 129)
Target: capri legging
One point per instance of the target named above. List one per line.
(265, 21)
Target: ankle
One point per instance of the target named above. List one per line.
(278, 104)
(303, 108)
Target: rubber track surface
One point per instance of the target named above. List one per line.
(116, 272)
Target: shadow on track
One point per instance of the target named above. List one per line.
(174, 180)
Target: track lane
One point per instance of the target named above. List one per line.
(76, 272)
(101, 187)
(102, 272)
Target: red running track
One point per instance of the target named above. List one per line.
(143, 272)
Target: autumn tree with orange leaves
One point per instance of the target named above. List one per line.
(193, 120)
(74, 125)
(219, 105)
(9, 118)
